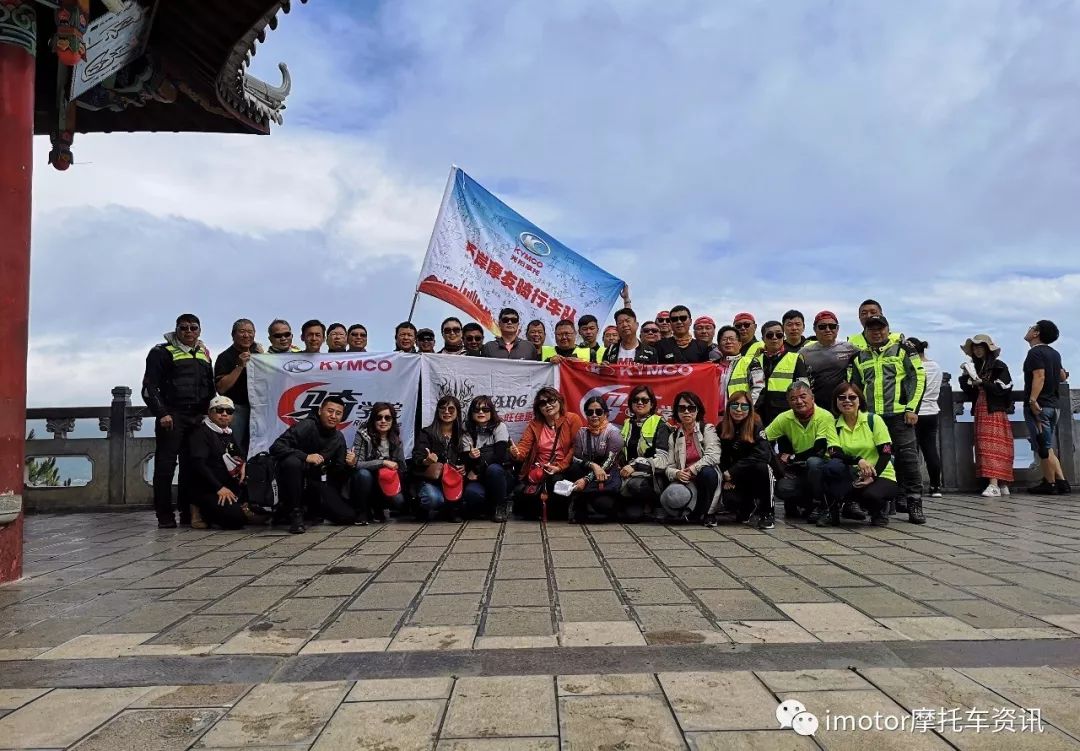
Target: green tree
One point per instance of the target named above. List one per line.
(41, 472)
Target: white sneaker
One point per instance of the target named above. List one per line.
(992, 491)
(1004, 490)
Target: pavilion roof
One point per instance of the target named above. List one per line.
(202, 48)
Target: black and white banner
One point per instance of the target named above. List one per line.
(288, 387)
(511, 384)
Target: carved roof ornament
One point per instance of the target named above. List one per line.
(247, 97)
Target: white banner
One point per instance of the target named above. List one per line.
(287, 387)
(484, 256)
(511, 384)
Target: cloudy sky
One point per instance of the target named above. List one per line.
(730, 156)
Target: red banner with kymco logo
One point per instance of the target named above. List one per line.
(579, 381)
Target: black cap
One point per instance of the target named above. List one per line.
(425, 334)
(876, 321)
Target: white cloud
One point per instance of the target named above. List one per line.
(731, 157)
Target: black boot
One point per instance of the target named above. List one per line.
(853, 511)
(915, 511)
(297, 526)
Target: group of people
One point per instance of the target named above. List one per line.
(833, 428)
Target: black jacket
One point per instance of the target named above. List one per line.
(207, 449)
(308, 436)
(182, 384)
(734, 451)
(497, 451)
(997, 385)
(643, 353)
(772, 403)
(448, 453)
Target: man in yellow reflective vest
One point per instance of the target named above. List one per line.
(867, 310)
(564, 348)
(893, 380)
(177, 387)
(779, 368)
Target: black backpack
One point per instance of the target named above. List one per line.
(262, 492)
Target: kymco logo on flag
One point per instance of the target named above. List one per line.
(485, 256)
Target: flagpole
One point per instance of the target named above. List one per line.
(442, 208)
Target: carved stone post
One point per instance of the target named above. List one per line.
(18, 40)
(1067, 436)
(950, 478)
(118, 439)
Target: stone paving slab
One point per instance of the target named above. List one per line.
(980, 570)
(670, 710)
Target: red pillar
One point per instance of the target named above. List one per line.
(18, 31)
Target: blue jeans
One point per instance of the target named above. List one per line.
(368, 495)
(430, 497)
(1041, 429)
(486, 493)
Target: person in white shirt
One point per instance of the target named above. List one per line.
(926, 429)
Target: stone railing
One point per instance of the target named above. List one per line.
(957, 438)
(119, 459)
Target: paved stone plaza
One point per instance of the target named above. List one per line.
(485, 636)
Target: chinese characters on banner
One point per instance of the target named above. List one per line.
(511, 384)
(288, 387)
(484, 256)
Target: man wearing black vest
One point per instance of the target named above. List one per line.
(177, 388)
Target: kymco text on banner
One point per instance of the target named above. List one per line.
(285, 388)
(579, 381)
(485, 256)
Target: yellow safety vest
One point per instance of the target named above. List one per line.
(740, 372)
(179, 354)
(859, 340)
(648, 432)
(547, 352)
(783, 374)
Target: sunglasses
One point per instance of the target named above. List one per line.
(547, 402)
(474, 338)
(384, 418)
(483, 409)
(848, 398)
(775, 335)
(285, 335)
(191, 327)
(744, 326)
(448, 408)
(739, 407)
(827, 326)
(650, 331)
(594, 412)
(688, 408)
(223, 410)
(508, 319)
(663, 320)
(426, 338)
(641, 400)
(679, 319)
(452, 330)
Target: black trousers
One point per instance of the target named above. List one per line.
(906, 456)
(873, 497)
(753, 488)
(226, 516)
(528, 505)
(926, 432)
(170, 449)
(300, 485)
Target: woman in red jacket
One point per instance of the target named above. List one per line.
(545, 451)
